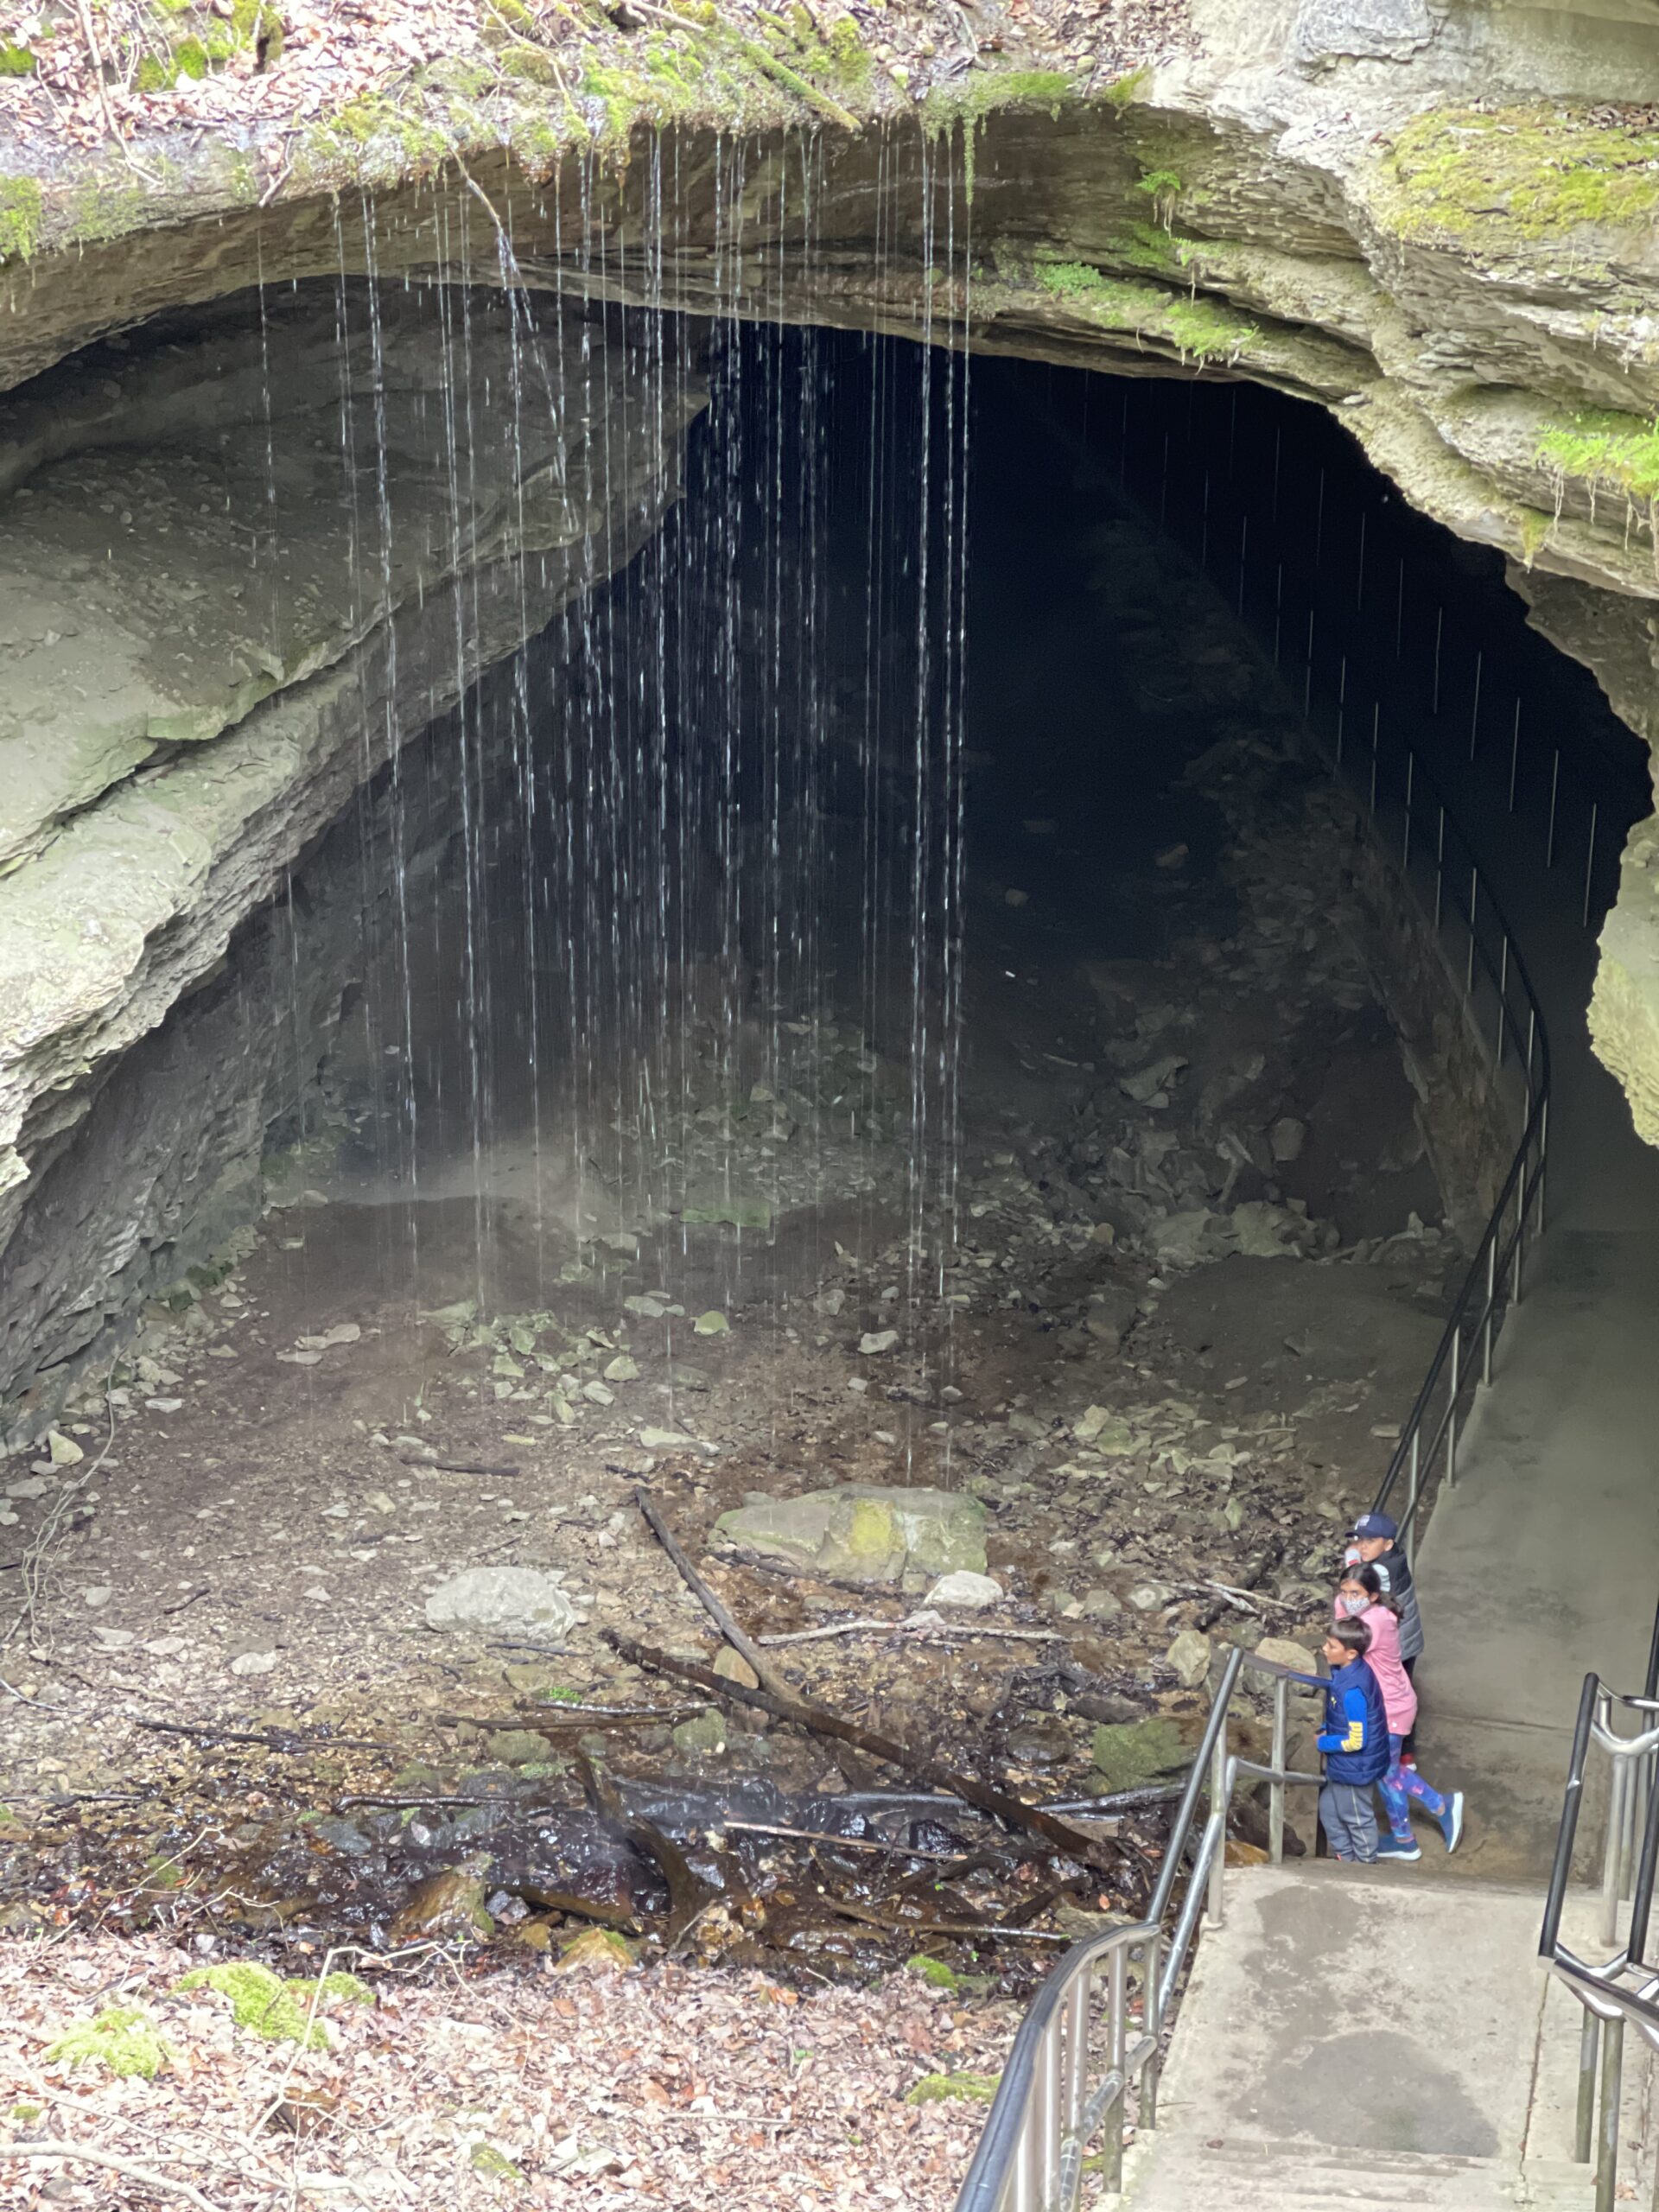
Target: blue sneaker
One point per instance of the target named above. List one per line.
(1399, 1847)
(1452, 1822)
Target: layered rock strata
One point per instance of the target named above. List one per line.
(1437, 222)
(225, 610)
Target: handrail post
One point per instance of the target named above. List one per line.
(1492, 1305)
(1117, 2005)
(1452, 1413)
(1609, 1854)
(1409, 1518)
(1612, 2083)
(1152, 2019)
(1583, 2121)
(1276, 1787)
(1219, 1797)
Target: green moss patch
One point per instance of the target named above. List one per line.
(1200, 329)
(21, 209)
(1538, 171)
(938, 2089)
(121, 2040)
(1602, 447)
(277, 2010)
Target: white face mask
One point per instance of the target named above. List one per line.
(1353, 1607)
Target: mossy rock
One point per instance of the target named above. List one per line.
(596, 1950)
(121, 2040)
(1135, 1752)
(937, 2088)
(519, 1747)
(1534, 172)
(737, 1211)
(495, 2165)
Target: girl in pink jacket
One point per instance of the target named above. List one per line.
(1361, 1596)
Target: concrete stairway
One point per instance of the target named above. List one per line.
(1373, 2038)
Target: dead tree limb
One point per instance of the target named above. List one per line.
(1011, 1811)
(741, 1642)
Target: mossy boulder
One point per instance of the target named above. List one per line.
(447, 1907)
(519, 1747)
(1134, 1753)
(862, 1533)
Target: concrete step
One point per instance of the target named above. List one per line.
(1179, 2172)
(1560, 2185)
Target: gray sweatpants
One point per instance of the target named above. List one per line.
(1348, 1815)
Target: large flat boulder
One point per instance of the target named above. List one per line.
(862, 1533)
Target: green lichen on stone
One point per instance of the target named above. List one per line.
(937, 2088)
(1603, 447)
(16, 61)
(1535, 172)
(21, 206)
(493, 2164)
(277, 2011)
(934, 1972)
(1124, 92)
(121, 2040)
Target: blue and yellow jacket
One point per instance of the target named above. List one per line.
(1355, 1738)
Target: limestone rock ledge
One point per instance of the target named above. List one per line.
(206, 661)
(1439, 223)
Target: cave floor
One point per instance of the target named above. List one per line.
(1170, 1354)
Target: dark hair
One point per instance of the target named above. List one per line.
(1372, 1583)
(1352, 1636)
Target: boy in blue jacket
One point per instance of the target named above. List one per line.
(1355, 1742)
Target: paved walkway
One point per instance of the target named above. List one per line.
(1371, 2038)
(1543, 1564)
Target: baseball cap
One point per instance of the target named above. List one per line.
(1376, 1524)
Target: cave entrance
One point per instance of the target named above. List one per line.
(878, 990)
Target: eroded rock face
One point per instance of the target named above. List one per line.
(1438, 223)
(225, 611)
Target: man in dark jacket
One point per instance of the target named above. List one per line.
(1355, 1742)
(1376, 1541)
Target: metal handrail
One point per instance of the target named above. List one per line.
(1494, 1278)
(1044, 2116)
(1632, 1809)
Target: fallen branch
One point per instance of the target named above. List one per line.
(542, 1721)
(457, 1466)
(903, 1927)
(1257, 1572)
(409, 1804)
(840, 1842)
(741, 1642)
(1011, 1811)
(272, 1741)
(180, 1603)
(145, 2175)
(921, 1631)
